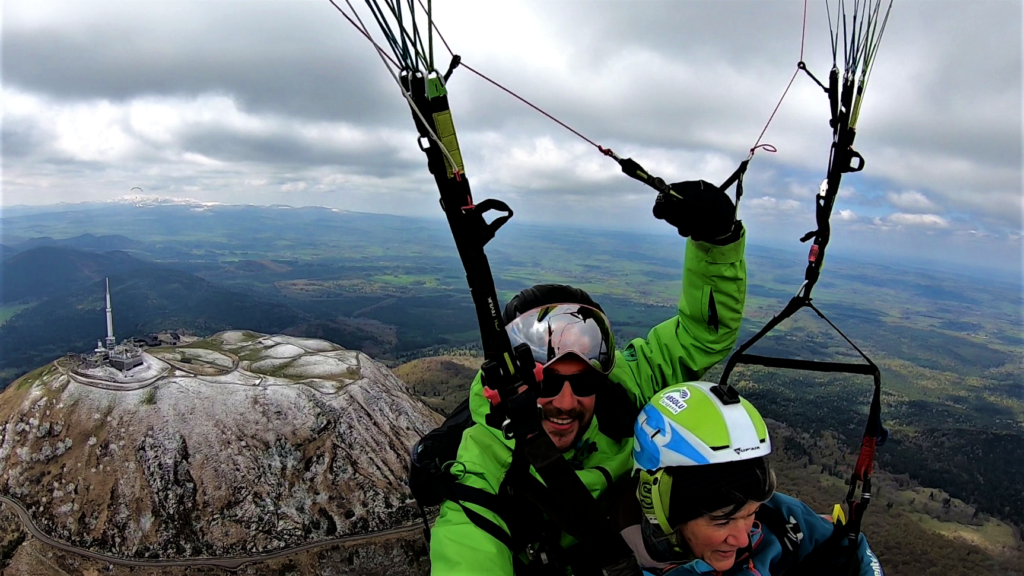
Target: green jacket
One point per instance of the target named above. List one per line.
(678, 350)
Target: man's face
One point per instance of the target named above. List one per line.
(566, 417)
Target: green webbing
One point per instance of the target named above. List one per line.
(416, 32)
(446, 134)
(435, 87)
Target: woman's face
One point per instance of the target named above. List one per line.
(715, 540)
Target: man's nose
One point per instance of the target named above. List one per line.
(565, 400)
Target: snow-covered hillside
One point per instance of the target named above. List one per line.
(236, 444)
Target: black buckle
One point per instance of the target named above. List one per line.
(727, 394)
(487, 230)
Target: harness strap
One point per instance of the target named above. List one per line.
(505, 369)
(573, 509)
(458, 492)
(737, 178)
(485, 524)
(462, 494)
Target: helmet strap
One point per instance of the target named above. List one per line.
(654, 492)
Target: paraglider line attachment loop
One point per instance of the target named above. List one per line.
(608, 152)
(765, 147)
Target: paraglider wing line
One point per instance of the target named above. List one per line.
(380, 51)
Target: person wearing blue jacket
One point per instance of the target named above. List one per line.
(702, 500)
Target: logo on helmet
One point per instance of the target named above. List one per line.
(674, 401)
(647, 501)
(742, 450)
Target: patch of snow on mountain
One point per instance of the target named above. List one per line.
(310, 344)
(235, 377)
(323, 386)
(208, 357)
(233, 337)
(320, 366)
(282, 351)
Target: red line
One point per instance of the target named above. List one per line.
(770, 118)
(531, 105)
(803, 36)
(803, 33)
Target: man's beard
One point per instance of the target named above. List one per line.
(579, 416)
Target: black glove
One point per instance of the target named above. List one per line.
(702, 211)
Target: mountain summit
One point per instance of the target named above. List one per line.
(239, 444)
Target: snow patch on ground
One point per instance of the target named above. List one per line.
(283, 351)
(309, 344)
(211, 357)
(323, 386)
(238, 377)
(234, 337)
(320, 366)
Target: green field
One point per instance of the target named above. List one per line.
(7, 312)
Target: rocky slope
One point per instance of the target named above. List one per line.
(238, 444)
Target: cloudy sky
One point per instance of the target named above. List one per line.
(283, 102)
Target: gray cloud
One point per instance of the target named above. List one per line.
(283, 102)
(294, 58)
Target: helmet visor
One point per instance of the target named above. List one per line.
(559, 329)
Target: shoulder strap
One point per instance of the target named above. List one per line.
(572, 509)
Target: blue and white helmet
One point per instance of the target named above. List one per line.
(687, 425)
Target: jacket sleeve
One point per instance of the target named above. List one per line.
(703, 331)
(457, 545)
(817, 529)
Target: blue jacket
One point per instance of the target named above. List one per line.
(766, 548)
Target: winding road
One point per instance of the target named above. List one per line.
(227, 562)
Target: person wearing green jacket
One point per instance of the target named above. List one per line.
(590, 393)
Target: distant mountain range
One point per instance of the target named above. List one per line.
(66, 287)
(91, 242)
(49, 270)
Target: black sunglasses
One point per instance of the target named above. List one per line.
(585, 383)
